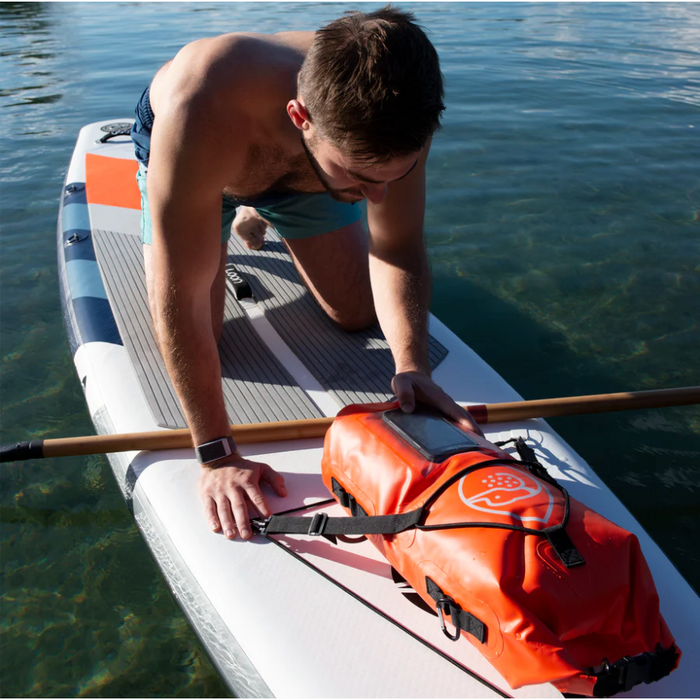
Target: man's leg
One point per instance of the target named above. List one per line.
(335, 268)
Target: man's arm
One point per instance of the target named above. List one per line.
(186, 176)
(401, 286)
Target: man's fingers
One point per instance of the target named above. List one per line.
(274, 479)
(458, 414)
(258, 500)
(403, 388)
(240, 514)
(211, 514)
(407, 389)
(469, 423)
(228, 525)
(230, 491)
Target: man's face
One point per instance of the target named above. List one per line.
(349, 181)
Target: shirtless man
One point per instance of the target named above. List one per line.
(292, 128)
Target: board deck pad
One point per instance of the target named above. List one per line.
(353, 367)
(256, 386)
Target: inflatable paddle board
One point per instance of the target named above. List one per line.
(287, 615)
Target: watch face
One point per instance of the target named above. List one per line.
(216, 449)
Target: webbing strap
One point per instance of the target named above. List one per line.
(629, 671)
(322, 524)
(462, 619)
(347, 500)
(565, 548)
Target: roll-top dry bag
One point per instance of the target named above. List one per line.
(544, 587)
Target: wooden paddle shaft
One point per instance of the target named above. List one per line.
(173, 439)
(575, 405)
(317, 427)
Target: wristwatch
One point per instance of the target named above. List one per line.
(214, 450)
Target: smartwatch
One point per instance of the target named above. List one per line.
(214, 450)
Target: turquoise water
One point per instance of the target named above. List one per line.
(564, 232)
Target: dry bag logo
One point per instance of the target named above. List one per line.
(507, 492)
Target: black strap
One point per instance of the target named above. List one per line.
(322, 524)
(629, 671)
(462, 619)
(564, 548)
(347, 500)
(558, 538)
(363, 524)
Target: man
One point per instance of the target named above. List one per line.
(293, 128)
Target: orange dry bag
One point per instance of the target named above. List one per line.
(545, 588)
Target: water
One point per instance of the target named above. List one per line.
(563, 227)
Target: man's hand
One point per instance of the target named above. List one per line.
(411, 387)
(228, 488)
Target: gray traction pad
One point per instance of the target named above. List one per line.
(352, 367)
(256, 387)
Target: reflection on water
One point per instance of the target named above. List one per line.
(562, 226)
(30, 50)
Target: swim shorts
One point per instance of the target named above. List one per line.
(292, 215)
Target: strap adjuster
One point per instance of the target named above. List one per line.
(318, 524)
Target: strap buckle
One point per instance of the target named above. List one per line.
(318, 524)
(443, 606)
(259, 525)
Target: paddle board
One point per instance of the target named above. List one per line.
(286, 616)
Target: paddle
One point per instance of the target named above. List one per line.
(317, 427)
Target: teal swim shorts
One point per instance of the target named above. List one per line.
(296, 216)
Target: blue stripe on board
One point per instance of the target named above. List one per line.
(75, 216)
(74, 193)
(82, 249)
(95, 321)
(84, 279)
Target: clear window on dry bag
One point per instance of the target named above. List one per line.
(429, 433)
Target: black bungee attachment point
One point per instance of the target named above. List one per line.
(241, 286)
(19, 451)
(114, 130)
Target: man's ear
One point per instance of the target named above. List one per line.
(298, 114)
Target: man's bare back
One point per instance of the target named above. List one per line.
(250, 78)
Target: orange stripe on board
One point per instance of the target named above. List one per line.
(112, 181)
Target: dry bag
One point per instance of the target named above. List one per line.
(545, 588)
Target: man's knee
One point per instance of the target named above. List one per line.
(354, 319)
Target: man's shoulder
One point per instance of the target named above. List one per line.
(301, 41)
(245, 55)
(240, 67)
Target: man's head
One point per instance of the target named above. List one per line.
(371, 86)
(350, 181)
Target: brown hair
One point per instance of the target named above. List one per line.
(371, 84)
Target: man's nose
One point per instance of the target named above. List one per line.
(374, 193)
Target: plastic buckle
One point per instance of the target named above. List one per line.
(259, 525)
(637, 669)
(442, 607)
(318, 524)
